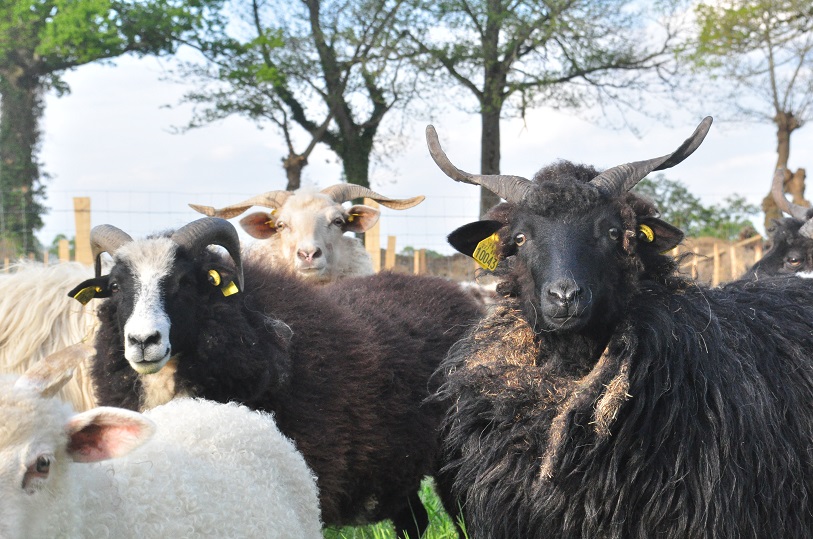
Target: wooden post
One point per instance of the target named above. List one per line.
(715, 275)
(372, 238)
(389, 257)
(45, 254)
(734, 261)
(419, 262)
(6, 264)
(757, 252)
(64, 250)
(81, 213)
(694, 262)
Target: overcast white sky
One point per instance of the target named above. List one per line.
(110, 139)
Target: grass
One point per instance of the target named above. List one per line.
(441, 525)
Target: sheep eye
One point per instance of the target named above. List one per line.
(519, 239)
(43, 465)
(214, 278)
(280, 225)
(614, 233)
(114, 287)
(794, 261)
(338, 221)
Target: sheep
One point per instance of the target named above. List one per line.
(343, 367)
(37, 319)
(305, 229)
(607, 395)
(791, 239)
(190, 468)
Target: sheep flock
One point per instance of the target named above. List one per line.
(200, 387)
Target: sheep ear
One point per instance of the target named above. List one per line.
(664, 236)
(97, 288)
(259, 225)
(105, 433)
(48, 376)
(466, 238)
(361, 218)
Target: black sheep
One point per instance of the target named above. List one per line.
(791, 239)
(344, 368)
(609, 397)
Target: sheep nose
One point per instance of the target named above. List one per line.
(565, 292)
(144, 341)
(309, 254)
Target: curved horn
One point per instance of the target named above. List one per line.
(622, 178)
(271, 199)
(343, 192)
(211, 231)
(511, 188)
(778, 192)
(106, 239)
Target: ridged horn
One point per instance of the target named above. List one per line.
(622, 178)
(106, 239)
(342, 192)
(196, 235)
(511, 188)
(271, 199)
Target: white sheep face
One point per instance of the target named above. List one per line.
(306, 235)
(40, 439)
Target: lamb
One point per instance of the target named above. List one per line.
(37, 319)
(190, 468)
(343, 367)
(791, 239)
(305, 229)
(608, 396)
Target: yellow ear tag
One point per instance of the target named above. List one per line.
(214, 277)
(86, 294)
(352, 217)
(230, 289)
(648, 232)
(486, 252)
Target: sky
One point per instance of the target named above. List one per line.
(111, 139)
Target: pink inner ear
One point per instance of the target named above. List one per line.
(259, 225)
(364, 218)
(107, 437)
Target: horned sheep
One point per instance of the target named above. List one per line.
(190, 468)
(791, 239)
(608, 396)
(345, 368)
(304, 231)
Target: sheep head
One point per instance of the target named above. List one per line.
(40, 436)
(572, 242)
(307, 226)
(791, 238)
(147, 272)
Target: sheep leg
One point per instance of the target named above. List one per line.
(412, 520)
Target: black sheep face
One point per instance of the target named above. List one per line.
(157, 288)
(572, 254)
(789, 253)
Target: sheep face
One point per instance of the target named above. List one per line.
(307, 232)
(790, 252)
(39, 439)
(572, 255)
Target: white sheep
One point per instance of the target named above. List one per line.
(305, 229)
(37, 318)
(190, 468)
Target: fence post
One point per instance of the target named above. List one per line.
(372, 238)
(389, 257)
(81, 213)
(757, 252)
(64, 250)
(419, 262)
(696, 251)
(715, 275)
(735, 263)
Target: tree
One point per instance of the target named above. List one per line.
(330, 67)
(560, 53)
(39, 41)
(763, 51)
(684, 210)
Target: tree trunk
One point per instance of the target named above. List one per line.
(293, 165)
(20, 112)
(786, 123)
(355, 155)
(489, 156)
